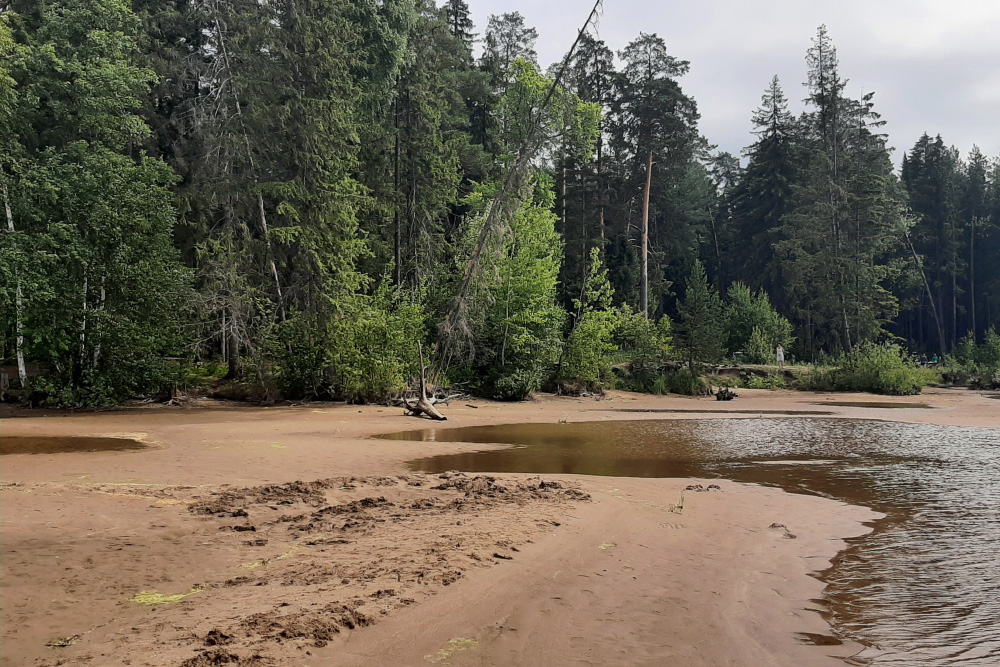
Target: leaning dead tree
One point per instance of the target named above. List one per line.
(455, 332)
(423, 404)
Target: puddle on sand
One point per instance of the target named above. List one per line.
(712, 411)
(921, 590)
(41, 444)
(881, 405)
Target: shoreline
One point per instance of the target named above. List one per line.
(625, 578)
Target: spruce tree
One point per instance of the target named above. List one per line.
(701, 331)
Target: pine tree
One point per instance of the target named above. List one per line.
(655, 124)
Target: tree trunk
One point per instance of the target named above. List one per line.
(644, 306)
(424, 404)
(22, 372)
(83, 325)
(234, 353)
(930, 296)
(600, 151)
(395, 214)
(270, 254)
(972, 278)
(97, 324)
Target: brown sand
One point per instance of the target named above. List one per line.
(362, 563)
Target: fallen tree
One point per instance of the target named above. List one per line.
(423, 404)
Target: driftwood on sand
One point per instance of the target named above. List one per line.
(423, 404)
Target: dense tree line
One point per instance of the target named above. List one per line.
(299, 190)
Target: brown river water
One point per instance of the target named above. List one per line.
(922, 589)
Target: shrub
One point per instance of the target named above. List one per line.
(754, 326)
(586, 364)
(759, 349)
(979, 365)
(682, 381)
(643, 346)
(766, 382)
(365, 353)
(880, 368)
(818, 378)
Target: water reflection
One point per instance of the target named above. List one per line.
(922, 589)
(43, 444)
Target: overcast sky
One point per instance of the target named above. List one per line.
(934, 65)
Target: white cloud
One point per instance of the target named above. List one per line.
(933, 64)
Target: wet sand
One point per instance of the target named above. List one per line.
(365, 563)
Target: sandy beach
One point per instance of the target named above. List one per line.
(293, 538)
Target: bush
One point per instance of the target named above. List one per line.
(818, 378)
(766, 382)
(681, 381)
(586, 364)
(363, 354)
(759, 349)
(879, 368)
(643, 346)
(978, 365)
(753, 326)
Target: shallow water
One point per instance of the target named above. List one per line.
(43, 444)
(922, 589)
(881, 405)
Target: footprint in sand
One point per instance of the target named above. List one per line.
(784, 530)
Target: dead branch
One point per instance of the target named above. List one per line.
(424, 404)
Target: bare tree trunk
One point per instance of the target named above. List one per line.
(246, 141)
(395, 214)
(496, 218)
(600, 152)
(930, 296)
(972, 277)
(22, 372)
(270, 255)
(83, 325)
(719, 282)
(97, 324)
(954, 304)
(234, 352)
(424, 404)
(644, 298)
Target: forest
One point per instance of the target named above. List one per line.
(290, 196)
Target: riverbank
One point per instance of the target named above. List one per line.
(396, 568)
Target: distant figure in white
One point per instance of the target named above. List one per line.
(780, 353)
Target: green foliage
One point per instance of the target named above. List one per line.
(879, 368)
(319, 173)
(605, 335)
(376, 346)
(586, 362)
(366, 355)
(758, 350)
(979, 363)
(680, 381)
(644, 345)
(753, 326)
(766, 382)
(91, 217)
(701, 328)
(514, 318)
